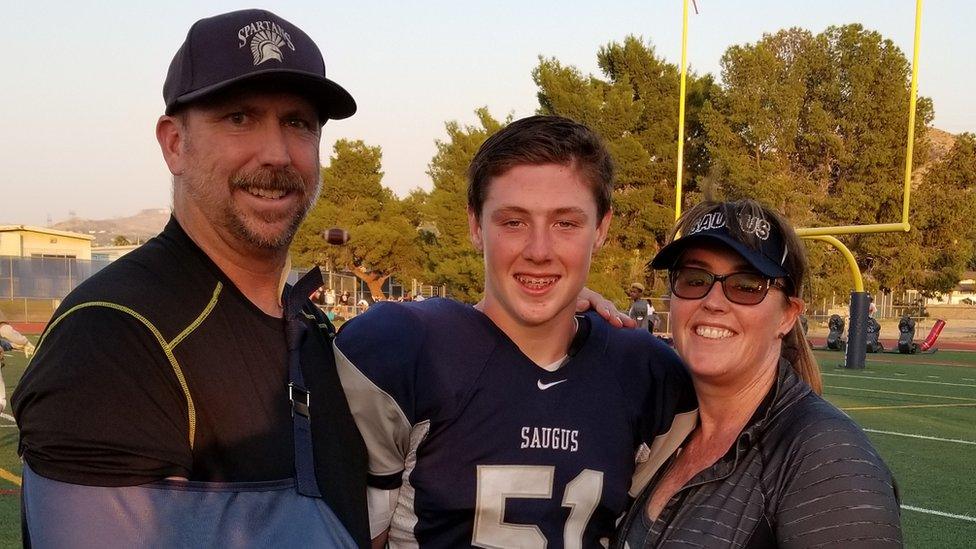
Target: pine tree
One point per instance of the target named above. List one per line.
(634, 108)
(383, 240)
(451, 258)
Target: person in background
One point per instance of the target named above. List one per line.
(640, 310)
(771, 463)
(11, 339)
(17, 340)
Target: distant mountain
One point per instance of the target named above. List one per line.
(941, 140)
(136, 228)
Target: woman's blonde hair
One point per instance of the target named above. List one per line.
(795, 347)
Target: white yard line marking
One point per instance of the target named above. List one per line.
(968, 379)
(932, 377)
(926, 437)
(904, 406)
(967, 399)
(896, 373)
(940, 513)
(7, 416)
(903, 380)
(7, 426)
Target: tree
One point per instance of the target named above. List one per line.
(814, 125)
(382, 242)
(634, 109)
(945, 206)
(121, 240)
(451, 259)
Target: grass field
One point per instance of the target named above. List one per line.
(920, 412)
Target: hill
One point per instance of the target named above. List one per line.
(135, 228)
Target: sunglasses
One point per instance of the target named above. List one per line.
(743, 288)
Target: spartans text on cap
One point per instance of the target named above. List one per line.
(258, 26)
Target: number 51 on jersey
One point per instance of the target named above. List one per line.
(497, 483)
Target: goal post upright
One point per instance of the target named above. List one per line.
(859, 300)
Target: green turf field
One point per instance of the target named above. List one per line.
(920, 412)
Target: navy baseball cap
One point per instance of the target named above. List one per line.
(252, 46)
(768, 256)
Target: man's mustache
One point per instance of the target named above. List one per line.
(276, 179)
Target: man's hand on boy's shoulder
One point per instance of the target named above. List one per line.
(588, 299)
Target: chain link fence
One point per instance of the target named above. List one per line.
(31, 288)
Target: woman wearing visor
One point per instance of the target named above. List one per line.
(771, 463)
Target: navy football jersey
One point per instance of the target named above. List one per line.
(490, 450)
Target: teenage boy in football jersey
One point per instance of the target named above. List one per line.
(514, 423)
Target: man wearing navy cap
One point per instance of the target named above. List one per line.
(216, 417)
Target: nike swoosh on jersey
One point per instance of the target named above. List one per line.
(544, 386)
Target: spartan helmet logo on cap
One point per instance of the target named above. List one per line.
(266, 45)
(267, 39)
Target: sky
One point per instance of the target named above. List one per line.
(82, 83)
